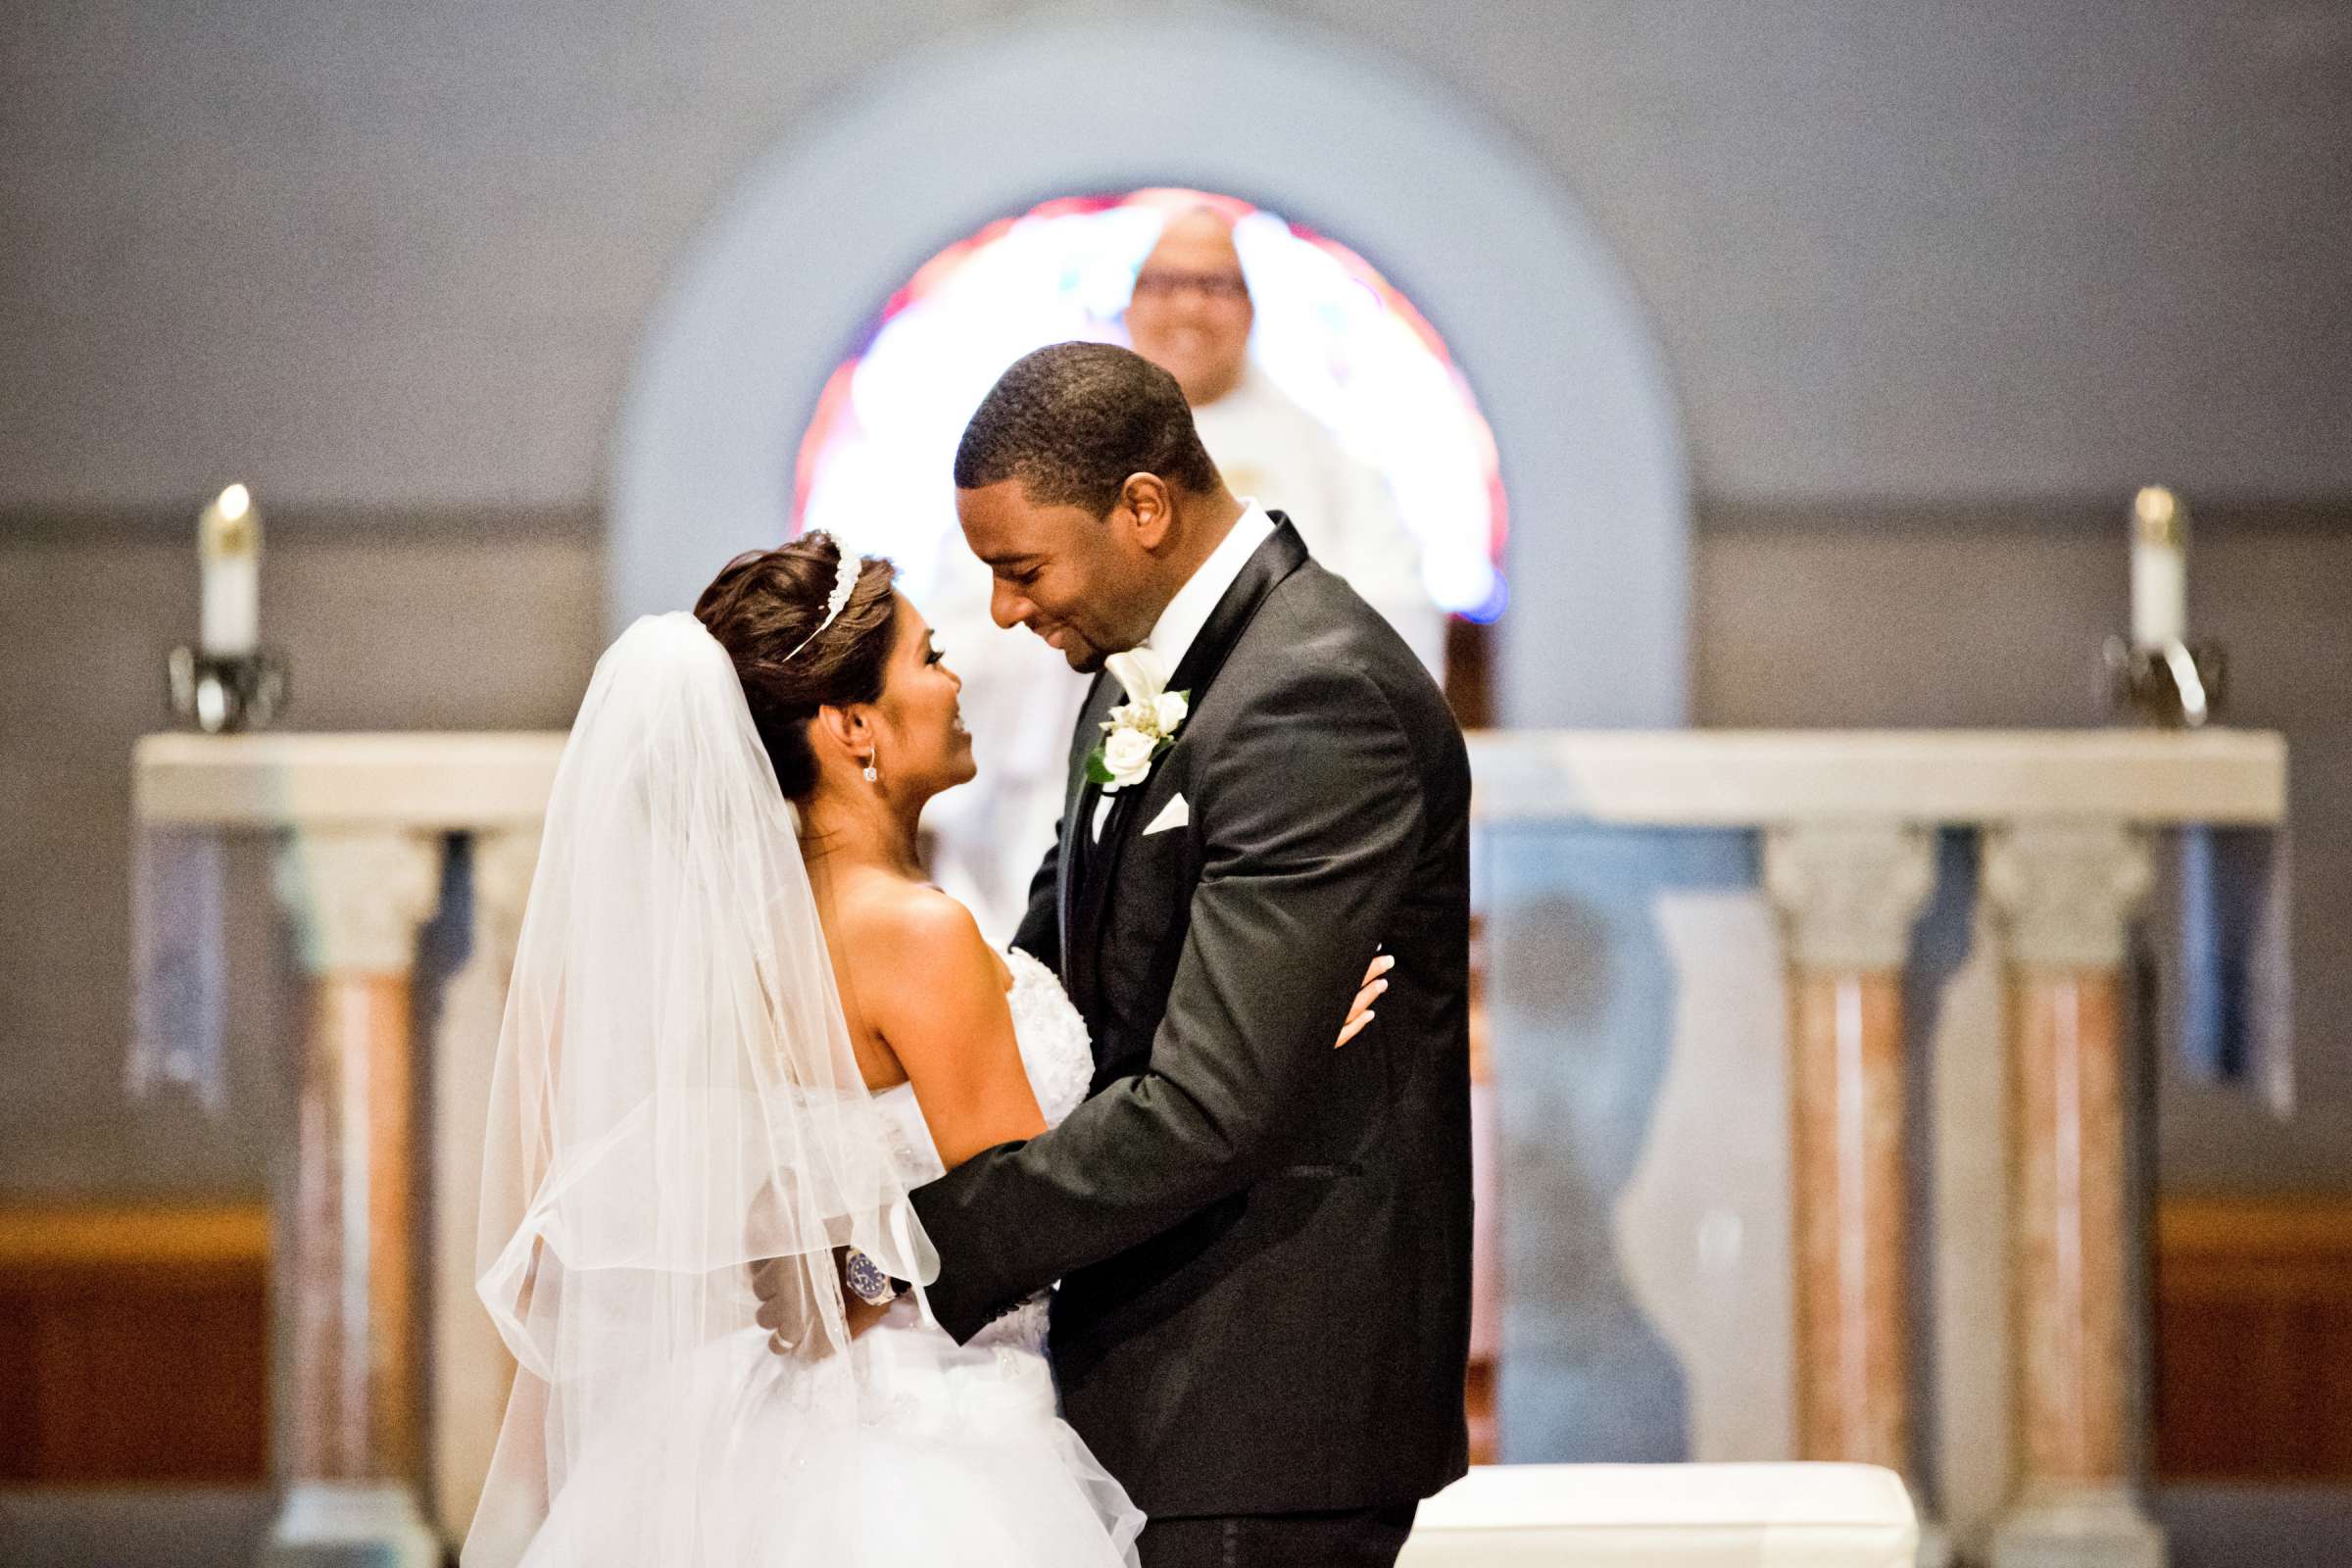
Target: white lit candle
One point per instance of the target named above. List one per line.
(2159, 568)
(229, 545)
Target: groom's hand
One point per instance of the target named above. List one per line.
(790, 1311)
(788, 1307)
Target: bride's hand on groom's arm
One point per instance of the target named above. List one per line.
(1359, 1011)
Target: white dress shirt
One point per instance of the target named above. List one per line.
(1179, 624)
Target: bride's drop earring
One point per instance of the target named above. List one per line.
(872, 777)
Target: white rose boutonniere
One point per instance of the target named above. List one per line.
(1140, 728)
(1169, 709)
(1126, 760)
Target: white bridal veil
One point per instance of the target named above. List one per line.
(674, 1097)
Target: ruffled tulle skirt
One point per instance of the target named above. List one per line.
(911, 1450)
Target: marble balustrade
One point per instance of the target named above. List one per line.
(1809, 858)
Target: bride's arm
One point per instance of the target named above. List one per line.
(933, 990)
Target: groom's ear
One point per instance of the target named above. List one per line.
(1146, 500)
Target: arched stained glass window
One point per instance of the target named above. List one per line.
(1331, 332)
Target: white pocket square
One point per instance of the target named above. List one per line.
(1171, 816)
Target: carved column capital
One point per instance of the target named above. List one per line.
(1848, 892)
(504, 860)
(356, 896)
(2066, 891)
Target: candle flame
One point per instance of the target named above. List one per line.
(2158, 517)
(229, 526)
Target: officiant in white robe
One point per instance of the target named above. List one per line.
(1191, 314)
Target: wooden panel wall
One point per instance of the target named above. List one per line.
(134, 1346)
(2254, 1340)
(134, 1343)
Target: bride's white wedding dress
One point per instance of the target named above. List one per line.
(957, 1454)
(675, 1100)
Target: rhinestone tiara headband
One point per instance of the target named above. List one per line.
(845, 583)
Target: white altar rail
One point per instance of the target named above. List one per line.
(1847, 821)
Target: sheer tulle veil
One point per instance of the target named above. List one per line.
(674, 1097)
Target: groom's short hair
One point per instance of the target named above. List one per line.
(1073, 420)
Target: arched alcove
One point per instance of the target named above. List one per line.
(1330, 334)
(795, 265)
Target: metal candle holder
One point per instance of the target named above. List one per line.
(223, 694)
(2174, 686)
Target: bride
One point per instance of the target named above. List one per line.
(741, 1027)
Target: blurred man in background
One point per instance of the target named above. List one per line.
(1191, 314)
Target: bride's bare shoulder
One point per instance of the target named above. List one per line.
(918, 934)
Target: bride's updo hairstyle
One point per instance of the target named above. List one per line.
(765, 605)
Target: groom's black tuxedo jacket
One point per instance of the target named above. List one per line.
(1263, 1242)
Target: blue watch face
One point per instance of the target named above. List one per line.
(866, 1280)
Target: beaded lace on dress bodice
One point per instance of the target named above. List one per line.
(1060, 1064)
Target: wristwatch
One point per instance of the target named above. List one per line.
(867, 1279)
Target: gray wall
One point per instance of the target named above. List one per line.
(1927, 277)
(397, 254)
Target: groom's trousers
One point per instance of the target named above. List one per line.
(1356, 1537)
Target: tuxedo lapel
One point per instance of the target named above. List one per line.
(1077, 818)
(1283, 553)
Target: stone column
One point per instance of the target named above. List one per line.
(348, 1440)
(1848, 894)
(2065, 893)
(1485, 1231)
(472, 1371)
(1848, 899)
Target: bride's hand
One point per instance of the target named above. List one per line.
(1359, 1012)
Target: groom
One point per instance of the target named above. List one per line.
(1263, 1244)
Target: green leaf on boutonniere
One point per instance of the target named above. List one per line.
(1097, 771)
